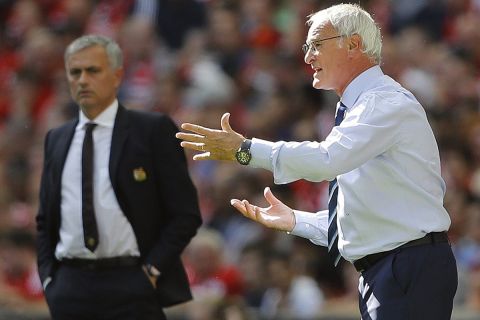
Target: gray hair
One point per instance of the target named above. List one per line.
(350, 19)
(114, 53)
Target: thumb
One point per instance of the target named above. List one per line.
(271, 199)
(225, 122)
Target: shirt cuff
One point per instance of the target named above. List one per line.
(308, 225)
(152, 271)
(261, 151)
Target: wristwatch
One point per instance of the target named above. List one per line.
(243, 154)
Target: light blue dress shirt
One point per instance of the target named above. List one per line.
(387, 164)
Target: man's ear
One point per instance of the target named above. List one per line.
(355, 42)
(119, 76)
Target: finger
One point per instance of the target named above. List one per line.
(242, 207)
(197, 129)
(190, 137)
(255, 213)
(249, 210)
(225, 122)
(271, 199)
(259, 217)
(202, 156)
(193, 145)
(237, 204)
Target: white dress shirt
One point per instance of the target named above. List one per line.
(387, 164)
(116, 237)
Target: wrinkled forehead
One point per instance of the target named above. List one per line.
(320, 29)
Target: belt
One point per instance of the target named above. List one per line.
(368, 261)
(101, 264)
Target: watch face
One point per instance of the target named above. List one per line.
(243, 157)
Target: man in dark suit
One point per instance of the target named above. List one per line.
(117, 206)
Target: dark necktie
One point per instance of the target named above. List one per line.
(333, 252)
(90, 231)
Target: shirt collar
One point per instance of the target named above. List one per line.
(364, 81)
(105, 119)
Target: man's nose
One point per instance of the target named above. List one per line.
(308, 58)
(83, 78)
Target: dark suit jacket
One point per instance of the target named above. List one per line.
(162, 209)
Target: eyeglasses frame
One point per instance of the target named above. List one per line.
(306, 47)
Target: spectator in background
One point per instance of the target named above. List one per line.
(252, 265)
(111, 226)
(287, 294)
(212, 279)
(473, 294)
(174, 19)
(107, 17)
(139, 41)
(20, 287)
(467, 249)
(383, 164)
(210, 276)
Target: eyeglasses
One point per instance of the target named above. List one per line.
(315, 44)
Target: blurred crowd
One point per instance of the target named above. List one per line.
(195, 60)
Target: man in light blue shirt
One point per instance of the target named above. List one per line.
(386, 213)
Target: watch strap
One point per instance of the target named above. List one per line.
(246, 145)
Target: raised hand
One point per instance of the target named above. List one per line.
(277, 216)
(214, 144)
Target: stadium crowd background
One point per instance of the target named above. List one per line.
(197, 59)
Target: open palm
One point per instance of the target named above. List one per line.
(277, 216)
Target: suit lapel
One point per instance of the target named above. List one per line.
(59, 157)
(119, 136)
(61, 152)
